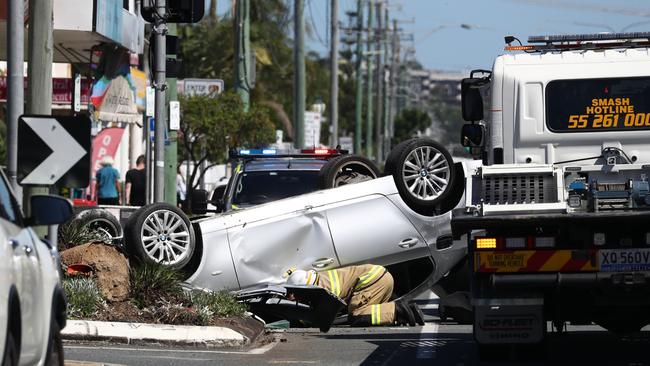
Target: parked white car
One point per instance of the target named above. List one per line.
(32, 303)
(401, 221)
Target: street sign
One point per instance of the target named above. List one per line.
(312, 128)
(209, 87)
(54, 150)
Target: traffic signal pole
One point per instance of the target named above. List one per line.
(171, 149)
(358, 109)
(160, 58)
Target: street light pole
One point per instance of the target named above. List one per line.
(242, 51)
(334, 74)
(15, 83)
(358, 110)
(160, 58)
(379, 73)
(370, 40)
(299, 75)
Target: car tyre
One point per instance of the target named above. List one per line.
(12, 354)
(161, 233)
(100, 220)
(424, 175)
(347, 169)
(55, 346)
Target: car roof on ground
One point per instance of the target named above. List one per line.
(273, 164)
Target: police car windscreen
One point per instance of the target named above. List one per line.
(591, 105)
(255, 188)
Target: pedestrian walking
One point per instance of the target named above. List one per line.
(136, 181)
(367, 290)
(107, 183)
(181, 188)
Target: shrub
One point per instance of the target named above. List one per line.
(84, 297)
(151, 283)
(72, 234)
(221, 303)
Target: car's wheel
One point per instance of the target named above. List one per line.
(11, 355)
(100, 221)
(161, 233)
(54, 346)
(423, 172)
(347, 169)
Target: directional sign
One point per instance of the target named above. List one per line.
(54, 150)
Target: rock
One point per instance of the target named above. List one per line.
(110, 267)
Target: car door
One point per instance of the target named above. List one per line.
(372, 229)
(28, 274)
(269, 239)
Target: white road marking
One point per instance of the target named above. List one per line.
(427, 346)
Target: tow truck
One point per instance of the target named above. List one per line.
(558, 213)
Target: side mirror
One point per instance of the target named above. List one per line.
(472, 135)
(199, 201)
(471, 99)
(49, 210)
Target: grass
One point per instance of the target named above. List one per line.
(71, 234)
(84, 297)
(151, 283)
(221, 303)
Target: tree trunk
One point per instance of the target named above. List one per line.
(213, 10)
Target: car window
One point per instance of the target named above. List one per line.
(254, 188)
(8, 208)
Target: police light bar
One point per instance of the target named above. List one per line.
(258, 152)
(322, 151)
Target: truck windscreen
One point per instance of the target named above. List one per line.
(590, 105)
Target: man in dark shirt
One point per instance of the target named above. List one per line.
(136, 183)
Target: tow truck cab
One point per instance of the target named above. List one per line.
(559, 210)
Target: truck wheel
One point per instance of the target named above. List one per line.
(346, 169)
(99, 220)
(161, 233)
(423, 172)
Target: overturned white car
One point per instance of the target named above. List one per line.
(401, 221)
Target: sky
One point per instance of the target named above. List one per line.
(441, 43)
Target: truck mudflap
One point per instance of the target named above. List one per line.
(307, 305)
(509, 321)
(463, 221)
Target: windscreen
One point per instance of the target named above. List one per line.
(591, 105)
(254, 188)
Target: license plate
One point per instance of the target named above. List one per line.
(620, 260)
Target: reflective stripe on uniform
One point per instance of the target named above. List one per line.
(375, 314)
(368, 277)
(334, 282)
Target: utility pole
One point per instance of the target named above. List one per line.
(171, 150)
(387, 88)
(334, 74)
(242, 51)
(379, 75)
(299, 75)
(358, 111)
(15, 83)
(369, 66)
(39, 88)
(160, 59)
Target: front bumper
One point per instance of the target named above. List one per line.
(463, 221)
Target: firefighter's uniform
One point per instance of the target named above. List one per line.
(365, 288)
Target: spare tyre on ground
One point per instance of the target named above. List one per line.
(161, 233)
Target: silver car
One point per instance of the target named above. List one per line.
(401, 221)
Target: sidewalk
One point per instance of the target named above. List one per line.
(139, 333)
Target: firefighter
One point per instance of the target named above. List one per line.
(366, 289)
